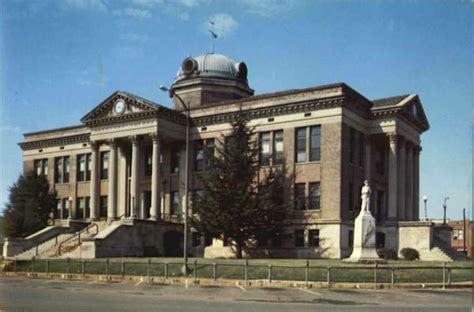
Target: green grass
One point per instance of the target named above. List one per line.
(282, 269)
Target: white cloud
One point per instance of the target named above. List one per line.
(147, 3)
(187, 3)
(268, 8)
(10, 129)
(224, 25)
(94, 5)
(131, 52)
(133, 12)
(133, 37)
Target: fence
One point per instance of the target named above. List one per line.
(375, 274)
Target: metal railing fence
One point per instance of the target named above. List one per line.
(247, 271)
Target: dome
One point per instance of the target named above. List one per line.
(212, 66)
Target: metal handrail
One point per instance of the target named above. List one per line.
(78, 235)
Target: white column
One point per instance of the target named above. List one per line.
(134, 195)
(112, 194)
(94, 184)
(401, 178)
(409, 184)
(392, 177)
(416, 183)
(155, 177)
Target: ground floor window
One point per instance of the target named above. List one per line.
(380, 240)
(313, 238)
(103, 207)
(299, 238)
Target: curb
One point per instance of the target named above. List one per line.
(158, 280)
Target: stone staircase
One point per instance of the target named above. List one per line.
(70, 247)
(44, 248)
(442, 252)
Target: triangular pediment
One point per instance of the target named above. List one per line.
(120, 105)
(413, 110)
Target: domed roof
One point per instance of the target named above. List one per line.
(212, 66)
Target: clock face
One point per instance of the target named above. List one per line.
(119, 106)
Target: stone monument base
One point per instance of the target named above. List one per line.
(364, 240)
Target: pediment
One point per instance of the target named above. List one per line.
(120, 105)
(413, 110)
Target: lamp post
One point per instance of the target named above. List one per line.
(70, 208)
(444, 207)
(185, 270)
(425, 201)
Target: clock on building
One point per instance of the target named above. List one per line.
(119, 106)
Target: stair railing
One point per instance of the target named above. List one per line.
(78, 236)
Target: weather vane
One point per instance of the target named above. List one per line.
(213, 36)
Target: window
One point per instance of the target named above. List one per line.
(104, 165)
(175, 151)
(175, 203)
(41, 166)
(315, 144)
(313, 238)
(66, 208)
(81, 206)
(301, 145)
(103, 207)
(199, 155)
(264, 148)
(278, 147)
(380, 240)
(87, 211)
(300, 196)
(315, 196)
(84, 163)
(57, 212)
(148, 164)
(61, 169)
(209, 154)
(458, 234)
(299, 238)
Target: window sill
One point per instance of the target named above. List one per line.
(308, 162)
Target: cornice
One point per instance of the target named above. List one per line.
(282, 109)
(72, 139)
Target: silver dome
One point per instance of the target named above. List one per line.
(212, 66)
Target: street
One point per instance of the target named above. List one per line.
(22, 294)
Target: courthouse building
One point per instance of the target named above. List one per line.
(120, 172)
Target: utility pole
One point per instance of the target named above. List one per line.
(464, 233)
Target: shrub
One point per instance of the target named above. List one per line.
(388, 254)
(410, 254)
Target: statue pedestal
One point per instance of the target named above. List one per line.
(364, 240)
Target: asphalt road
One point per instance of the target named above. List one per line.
(17, 294)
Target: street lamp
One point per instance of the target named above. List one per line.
(185, 270)
(425, 200)
(444, 207)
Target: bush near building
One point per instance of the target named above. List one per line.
(410, 254)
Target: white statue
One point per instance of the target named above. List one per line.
(365, 195)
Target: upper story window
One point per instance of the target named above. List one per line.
(301, 145)
(175, 153)
(315, 143)
(264, 148)
(302, 149)
(41, 166)
(203, 153)
(314, 199)
(104, 165)
(62, 169)
(84, 163)
(278, 155)
(300, 196)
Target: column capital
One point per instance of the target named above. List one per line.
(112, 142)
(417, 150)
(393, 137)
(94, 144)
(156, 137)
(135, 139)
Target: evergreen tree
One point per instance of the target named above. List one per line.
(237, 203)
(29, 206)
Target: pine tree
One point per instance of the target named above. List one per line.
(29, 206)
(237, 204)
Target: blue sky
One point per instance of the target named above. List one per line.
(61, 58)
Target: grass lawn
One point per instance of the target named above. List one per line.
(282, 269)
